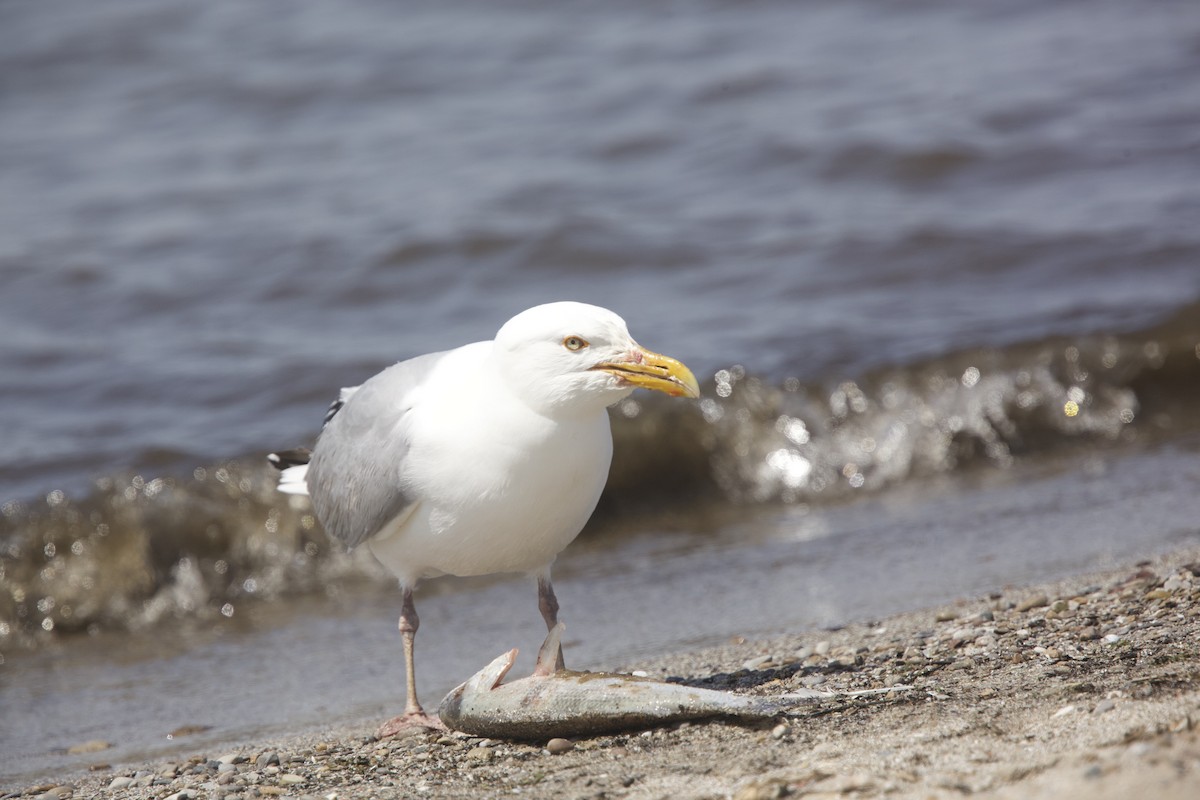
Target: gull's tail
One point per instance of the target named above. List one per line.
(293, 464)
(293, 469)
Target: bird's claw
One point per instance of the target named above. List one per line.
(408, 724)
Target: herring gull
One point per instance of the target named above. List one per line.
(483, 459)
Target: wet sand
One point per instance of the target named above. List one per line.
(1085, 687)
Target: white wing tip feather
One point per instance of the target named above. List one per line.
(293, 480)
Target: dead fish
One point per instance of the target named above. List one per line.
(563, 703)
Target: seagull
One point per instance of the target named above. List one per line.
(483, 459)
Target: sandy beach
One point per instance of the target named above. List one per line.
(1085, 687)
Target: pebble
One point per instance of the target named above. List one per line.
(291, 779)
(758, 791)
(559, 745)
(480, 754)
(1062, 712)
(1104, 706)
(232, 758)
(120, 782)
(779, 731)
(56, 793)
(182, 794)
(1176, 582)
(1030, 603)
(755, 664)
(822, 647)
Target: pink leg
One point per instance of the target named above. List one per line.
(414, 716)
(548, 605)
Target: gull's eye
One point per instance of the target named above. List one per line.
(575, 343)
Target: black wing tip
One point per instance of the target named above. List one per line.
(334, 408)
(289, 458)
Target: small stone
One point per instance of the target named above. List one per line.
(1089, 633)
(269, 759)
(779, 731)
(56, 793)
(1030, 603)
(761, 791)
(559, 745)
(120, 782)
(755, 664)
(232, 758)
(946, 615)
(480, 754)
(91, 746)
(182, 794)
(291, 779)
(225, 766)
(1104, 706)
(805, 652)
(822, 647)
(1062, 712)
(188, 730)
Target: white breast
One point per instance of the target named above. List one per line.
(493, 498)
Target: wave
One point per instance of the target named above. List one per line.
(137, 552)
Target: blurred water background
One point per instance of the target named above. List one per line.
(937, 266)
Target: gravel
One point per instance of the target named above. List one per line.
(1089, 687)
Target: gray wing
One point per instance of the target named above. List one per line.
(353, 475)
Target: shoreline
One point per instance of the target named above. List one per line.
(1087, 685)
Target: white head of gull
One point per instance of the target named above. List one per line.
(486, 458)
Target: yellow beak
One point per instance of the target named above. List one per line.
(655, 371)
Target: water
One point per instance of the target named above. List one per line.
(937, 267)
